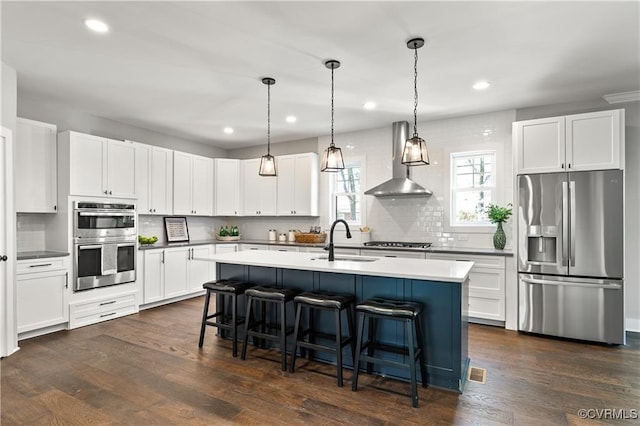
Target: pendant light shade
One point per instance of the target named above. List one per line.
(332, 157)
(268, 162)
(415, 148)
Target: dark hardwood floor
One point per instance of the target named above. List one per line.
(147, 369)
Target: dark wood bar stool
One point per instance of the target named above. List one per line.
(327, 302)
(385, 309)
(224, 288)
(277, 297)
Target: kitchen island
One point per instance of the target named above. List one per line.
(440, 285)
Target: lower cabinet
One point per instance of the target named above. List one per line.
(42, 293)
(394, 253)
(176, 271)
(101, 309)
(486, 286)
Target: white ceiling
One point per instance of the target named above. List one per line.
(189, 69)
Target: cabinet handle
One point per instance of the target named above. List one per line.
(3, 258)
(66, 280)
(55, 207)
(108, 303)
(110, 192)
(107, 315)
(150, 210)
(106, 192)
(154, 210)
(569, 165)
(162, 256)
(562, 166)
(40, 265)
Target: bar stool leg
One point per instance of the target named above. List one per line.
(338, 346)
(373, 325)
(296, 337)
(205, 313)
(356, 362)
(412, 363)
(423, 355)
(351, 314)
(234, 326)
(248, 324)
(283, 337)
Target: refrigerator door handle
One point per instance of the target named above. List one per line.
(612, 286)
(565, 221)
(572, 231)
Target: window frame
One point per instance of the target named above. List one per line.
(497, 189)
(360, 161)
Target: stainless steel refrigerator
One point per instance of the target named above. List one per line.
(570, 255)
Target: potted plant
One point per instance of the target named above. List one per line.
(499, 215)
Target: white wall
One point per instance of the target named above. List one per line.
(9, 98)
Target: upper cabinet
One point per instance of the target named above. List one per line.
(259, 192)
(297, 185)
(35, 169)
(192, 184)
(227, 187)
(154, 179)
(590, 141)
(96, 166)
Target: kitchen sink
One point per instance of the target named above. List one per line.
(348, 258)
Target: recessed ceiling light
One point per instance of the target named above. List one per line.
(481, 85)
(228, 130)
(96, 25)
(369, 105)
(291, 119)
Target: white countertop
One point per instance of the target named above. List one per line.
(419, 269)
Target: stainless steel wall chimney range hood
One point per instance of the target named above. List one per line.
(400, 185)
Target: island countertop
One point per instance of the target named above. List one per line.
(419, 269)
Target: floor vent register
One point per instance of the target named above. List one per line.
(478, 375)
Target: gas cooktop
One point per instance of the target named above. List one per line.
(399, 244)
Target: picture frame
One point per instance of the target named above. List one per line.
(176, 229)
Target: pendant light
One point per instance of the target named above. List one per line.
(267, 162)
(415, 148)
(332, 156)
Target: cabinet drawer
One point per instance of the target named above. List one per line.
(253, 247)
(393, 253)
(486, 308)
(487, 280)
(479, 260)
(98, 310)
(283, 248)
(41, 265)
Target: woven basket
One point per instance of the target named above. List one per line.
(305, 237)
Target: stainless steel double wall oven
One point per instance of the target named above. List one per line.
(104, 237)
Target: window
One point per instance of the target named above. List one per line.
(347, 194)
(473, 187)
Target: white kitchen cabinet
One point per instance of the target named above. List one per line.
(227, 187)
(284, 248)
(394, 253)
(153, 179)
(176, 271)
(579, 142)
(192, 184)
(42, 293)
(297, 185)
(96, 166)
(35, 167)
(486, 286)
(102, 308)
(228, 248)
(259, 192)
(244, 247)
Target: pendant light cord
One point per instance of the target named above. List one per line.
(332, 107)
(415, 91)
(268, 119)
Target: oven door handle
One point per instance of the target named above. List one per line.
(91, 247)
(126, 245)
(105, 214)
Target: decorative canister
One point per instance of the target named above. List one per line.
(272, 234)
(292, 235)
(282, 238)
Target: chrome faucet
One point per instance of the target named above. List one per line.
(333, 225)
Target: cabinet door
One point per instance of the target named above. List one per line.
(154, 261)
(305, 187)
(200, 270)
(202, 186)
(227, 182)
(176, 274)
(182, 183)
(121, 169)
(36, 167)
(41, 300)
(286, 182)
(594, 140)
(540, 145)
(87, 165)
(251, 193)
(268, 195)
(142, 181)
(161, 181)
